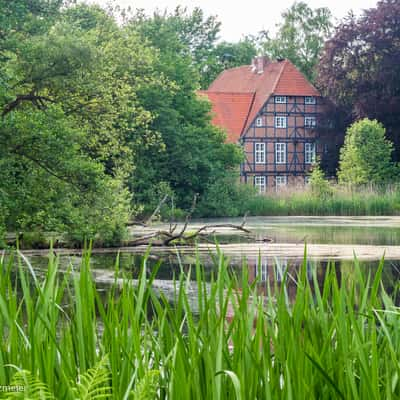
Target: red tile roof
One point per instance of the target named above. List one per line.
(230, 111)
(277, 78)
(292, 82)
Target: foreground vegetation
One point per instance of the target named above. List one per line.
(62, 338)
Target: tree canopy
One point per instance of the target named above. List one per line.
(92, 111)
(360, 68)
(191, 153)
(300, 37)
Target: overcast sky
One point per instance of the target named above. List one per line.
(241, 17)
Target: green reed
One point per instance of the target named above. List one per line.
(342, 201)
(61, 337)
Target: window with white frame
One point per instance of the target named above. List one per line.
(280, 99)
(310, 122)
(310, 100)
(280, 122)
(259, 153)
(259, 121)
(259, 183)
(309, 153)
(307, 180)
(280, 181)
(280, 153)
(262, 270)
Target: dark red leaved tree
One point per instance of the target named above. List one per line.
(360, 69)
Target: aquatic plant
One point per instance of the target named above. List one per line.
(61, 337)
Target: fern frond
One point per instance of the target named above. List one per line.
(94, 384)
(147, 387)
(24, 385)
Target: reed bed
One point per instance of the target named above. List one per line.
(341, 201)
(63, 338)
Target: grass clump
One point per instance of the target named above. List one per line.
(67, 339)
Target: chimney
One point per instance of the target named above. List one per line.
(259, 63)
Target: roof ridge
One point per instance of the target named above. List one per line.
(278, 78)
(248, 113)
(231, 92)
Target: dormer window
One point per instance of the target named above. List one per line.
(259, 121)
(280, 100)
(310, 100)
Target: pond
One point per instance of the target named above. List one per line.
(328, 239)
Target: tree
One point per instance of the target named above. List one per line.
(189, 34)
(192, 152)
(300, 37)
(360, 68)
(71, 122)
(366, 155)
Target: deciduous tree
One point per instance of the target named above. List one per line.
(300, 37)
(360, 68)
(366, 155)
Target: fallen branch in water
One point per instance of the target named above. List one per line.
(170, 237)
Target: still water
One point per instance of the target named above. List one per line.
(377, 231)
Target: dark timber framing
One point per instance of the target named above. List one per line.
(295, 135)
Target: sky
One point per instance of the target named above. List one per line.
(241, 17)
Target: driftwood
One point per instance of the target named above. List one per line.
(172, 236)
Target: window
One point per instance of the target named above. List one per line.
(309, 122)
(280, 122)
(280, 99)
(280, 153)
(280, 181)
(262, 270)
(309, 100)
(309, 153)
(259, 150)
(307, 180)
(259, 121)
(259, 182)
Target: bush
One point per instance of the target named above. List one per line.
(366, 155)
(226, 197)
(319, 185)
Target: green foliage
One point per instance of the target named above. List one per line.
(320, 186)
(192, 153)
(300, 37)
(185, 35)
(326, 199)
(229, 341)
(71, 121)
(148, 386)
(226, 197)
(29, 387)
(359, 69)
(94, 384)
(366, 155)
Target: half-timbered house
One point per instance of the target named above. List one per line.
(272, 110)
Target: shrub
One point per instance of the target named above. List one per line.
(366, 155)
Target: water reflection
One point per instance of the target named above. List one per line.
(272, 273)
